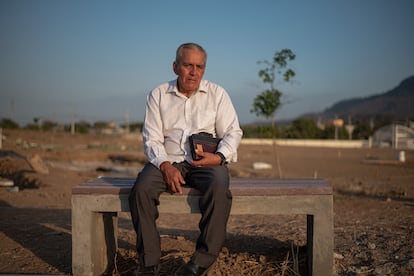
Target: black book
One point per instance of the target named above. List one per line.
(203, 142)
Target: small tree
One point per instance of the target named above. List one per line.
(269, 101)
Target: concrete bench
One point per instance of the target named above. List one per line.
(95, 205)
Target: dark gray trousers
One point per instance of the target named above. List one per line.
(215, 205)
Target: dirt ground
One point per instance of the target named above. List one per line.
(373, 208)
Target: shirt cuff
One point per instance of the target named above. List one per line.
(158, 161)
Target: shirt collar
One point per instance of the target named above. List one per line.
(173, 87)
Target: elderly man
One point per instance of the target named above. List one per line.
(174, 111)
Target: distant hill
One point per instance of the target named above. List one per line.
(397, 104)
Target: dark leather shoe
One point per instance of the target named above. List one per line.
(147, 271)
(191, 269)
(143, 270)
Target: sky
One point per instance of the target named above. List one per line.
(97, 60)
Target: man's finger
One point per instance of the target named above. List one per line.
(178, 188)
(172, 188)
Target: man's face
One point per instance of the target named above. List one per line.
(190, 70)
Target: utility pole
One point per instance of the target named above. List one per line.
(12, 108)
(72, 125)
(126, 122)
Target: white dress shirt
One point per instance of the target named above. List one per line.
(171, 117)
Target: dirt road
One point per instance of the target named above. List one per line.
(373, 206)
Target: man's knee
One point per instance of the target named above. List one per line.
(148, 181)
(221, 176)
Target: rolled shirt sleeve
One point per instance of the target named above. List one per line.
(228, 129)
(152, 132)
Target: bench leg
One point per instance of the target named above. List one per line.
(309, 242)
(94, 241)
(320, 243)
(110, 225)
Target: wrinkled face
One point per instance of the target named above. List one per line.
(190, 70)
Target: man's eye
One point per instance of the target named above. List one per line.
(189, 65)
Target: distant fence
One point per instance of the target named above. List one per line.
(323, 143)
(309, 143)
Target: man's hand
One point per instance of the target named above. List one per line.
(172, 176)
(207, 159)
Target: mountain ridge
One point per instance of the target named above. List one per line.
(397, 103)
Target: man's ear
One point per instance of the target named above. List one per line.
(175, 67)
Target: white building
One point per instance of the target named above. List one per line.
(395, 136)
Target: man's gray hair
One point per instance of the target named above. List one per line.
(189, 45)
